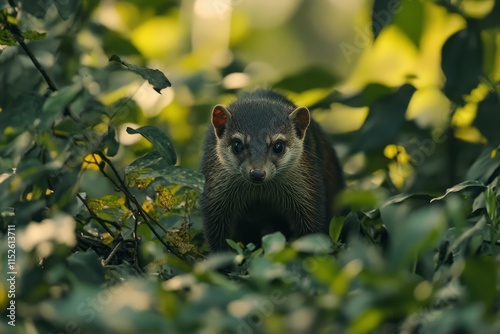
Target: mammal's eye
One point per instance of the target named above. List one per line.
(237, 146)
(279, 147)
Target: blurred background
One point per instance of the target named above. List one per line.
(210, 49)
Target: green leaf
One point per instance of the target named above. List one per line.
(488, 118)
(403, 197)
(410, 18)
(313, 243)
(382, 15)
(153, 160)
(273, 243)
(473, 185)
(358, 199)
(59, 100)
(37, 8)
(177, 175)
(351, 226)
(33, 35)
(86, 267)
(114, 42)
(335, 228)
(419, 232)
(67, 8)
(155, 77)
(479, 276)
(28, 172)
(6, 38)
(215, 262)
(65, 190)
(234, 246)
(111, 142)
(263, 268)
(308, 78)
(370, 93)
(486, 166)
(326, 102)
(160, 141)
(384, 120)
(462, 63)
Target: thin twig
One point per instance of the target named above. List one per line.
(30, 54)
(146, 217)
(113, 252)
(94, 215)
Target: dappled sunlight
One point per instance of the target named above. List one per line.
(158, 37)
(210, 27)
(177, 116)
(429, 107)
(477, 9)
(390, 60)
(342, 119)
(439, 26)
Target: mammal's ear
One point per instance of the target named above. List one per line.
(220, 116)
(300, 118)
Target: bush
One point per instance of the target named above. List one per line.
(101, 232)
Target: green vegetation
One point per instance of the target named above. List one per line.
(99, 154)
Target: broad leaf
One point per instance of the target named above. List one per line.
(33, 35)
(37, 8)
(273, 243)
(308, 78)
(60, 99)
(462, 63)
(313, 243)
(87, 267)
(153, 160)
(155, 77)
(111, 142)
(409, 17)
(418, 232)
(488, 118)
(159, 140)
(335, 228)
(475, 186)
(370, 93)
(384, 120)
(67, 8)
(6, 38)
(382, 14)
(480, 277)
(177, 175)
(486, 166)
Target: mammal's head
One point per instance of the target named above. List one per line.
(259, 136)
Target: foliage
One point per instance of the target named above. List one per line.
(107, 229)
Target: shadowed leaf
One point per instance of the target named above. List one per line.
(160, 141)
(155, 77)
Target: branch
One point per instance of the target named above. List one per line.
(94, 215)
(20, 40)
(146, 217)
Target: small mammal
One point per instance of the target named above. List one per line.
(268, 167)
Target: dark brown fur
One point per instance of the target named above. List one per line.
(256, 191)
